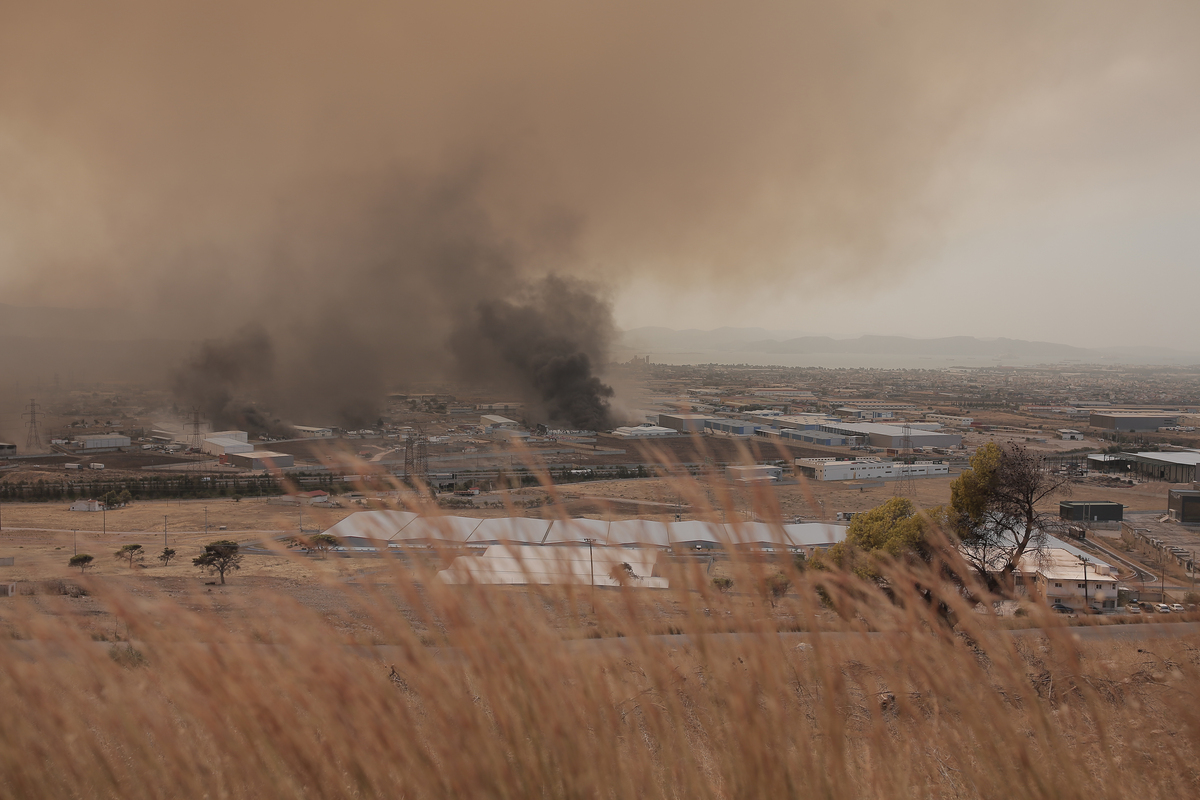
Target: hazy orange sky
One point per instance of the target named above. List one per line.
(926, 168)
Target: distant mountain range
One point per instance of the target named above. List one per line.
(735, 344)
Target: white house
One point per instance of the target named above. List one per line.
(87, 505)
(1062, 577)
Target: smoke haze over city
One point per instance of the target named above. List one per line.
(377, 193)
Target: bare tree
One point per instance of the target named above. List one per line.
(994, 509)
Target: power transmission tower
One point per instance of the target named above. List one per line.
(33, 441)
(416, 457)
(196, 440)
(905, 487)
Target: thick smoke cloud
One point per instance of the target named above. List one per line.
(224, 371)
(363, 180)
(550, 340)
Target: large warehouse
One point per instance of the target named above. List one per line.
(103, 441)
(1132, 420)
(262, 459)
(1172, 467)
(684, 423)
(833, 469)
(404, 528)
(892, 436)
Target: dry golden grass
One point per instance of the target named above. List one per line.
(407, 687)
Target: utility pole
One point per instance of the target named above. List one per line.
(206, 521)
(1086, 604)
(591, 573)
(1162, 593)
(75, 540)
(164, 531)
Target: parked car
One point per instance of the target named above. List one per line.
(1162, 608)
(1133, 608)
(1178, 608)
(1061, 609)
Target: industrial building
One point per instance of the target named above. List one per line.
(224, 446)
(881, 404)
(794, 394)
(308, 432)
(731, 427)
(490, 422)
(643, 431)
(1070, 435)
(506, 407)
(800, 422)
(754, 473)
(833, 469)
(103, 441)
(809, 437)
(7, 449)
(1091, 511)
(1132, 421)
(854, 412)
(950, 420)
(893, 436)
(1172, 467)
(1183, 505)
(262, 459)
(684, 423)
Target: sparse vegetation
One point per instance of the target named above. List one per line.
(166, 555)
(322, 543)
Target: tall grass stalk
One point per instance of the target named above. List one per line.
(413, 688)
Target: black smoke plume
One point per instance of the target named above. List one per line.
(544, 344)
(217, 379)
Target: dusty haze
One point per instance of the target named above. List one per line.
(365, 183)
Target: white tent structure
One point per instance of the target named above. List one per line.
(578, 531)
(401, 528)
(580, 566)
(372, 525)
(521, 530)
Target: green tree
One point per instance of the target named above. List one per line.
(81, 560)
(323, 543)
(893, 529)
(132, 552)
(166, 555)
(219, 557)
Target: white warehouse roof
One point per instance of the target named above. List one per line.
(403, 526)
